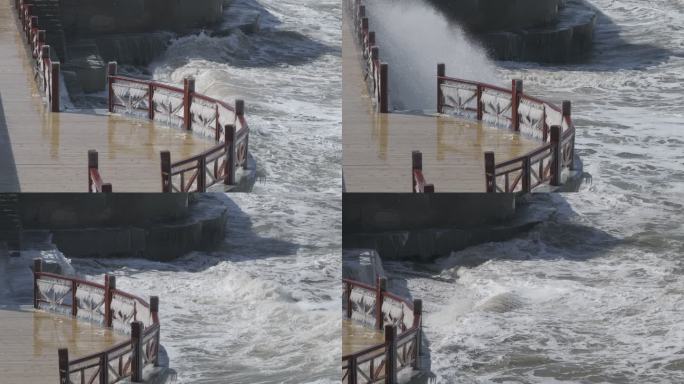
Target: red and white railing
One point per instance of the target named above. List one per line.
(108, 307)
(512, 109)
(401, 321)
(186, 109)
(377, 72)
(47, 71)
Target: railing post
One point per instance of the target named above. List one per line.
(352, 368)
(92, 163)
(41, 38)
(364, 21)
(347, 298)
(441, 72)
(54, 77)
(545, 127)
(567, 110)
(380, 288)
(417, 316)
(188, 91)
(375, 53)
(154, 312)
(490, 172)
(150, 102)
(165, 170)
(44, 58)
(112, 69)
(526, 174)
(106, 187)
(416, 165)
(110, 285)
(202, 174)
(104, 372)
(390, 354)
(556, 164)
(37, 268)
(230, 155)
(371, 38)
(63, 354)
(384, 88)
(74, 298)
(480, 111)
(516, 93)
(136, 355)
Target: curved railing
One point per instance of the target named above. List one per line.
(46, 71)
(513, 109)
(109, 307)
(402, 323)
(377, 72)
(186, 109)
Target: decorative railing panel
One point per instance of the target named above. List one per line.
(374, 306)
(108, 307)
(496, 107)
(460, 98)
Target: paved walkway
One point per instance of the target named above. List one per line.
(47, 152)
(377, 147)
(356, 337)
(30, 339)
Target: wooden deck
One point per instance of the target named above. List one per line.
(29, 341)
(356, 337)
(377, 147)
(47, 152)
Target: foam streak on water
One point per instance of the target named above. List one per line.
(264, 308)
(595, 294)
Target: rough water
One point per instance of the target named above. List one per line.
(594, 294)
(263, 308)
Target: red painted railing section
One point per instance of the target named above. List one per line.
(401, 321)
(106, 306)
(513, 109)
(377, 73)
(184, 108)
(47, 71)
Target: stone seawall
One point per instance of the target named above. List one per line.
(153, 226)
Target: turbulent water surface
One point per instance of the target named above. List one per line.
(263, 308)
(594, 294)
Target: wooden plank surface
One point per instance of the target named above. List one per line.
(29, 341)
(377, 147)
(50, 149)
(356, 337)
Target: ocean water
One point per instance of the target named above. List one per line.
(264, 307)
(596, 292)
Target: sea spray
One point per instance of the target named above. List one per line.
(413, 38)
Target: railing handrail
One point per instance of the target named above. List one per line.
(134, 346)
